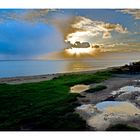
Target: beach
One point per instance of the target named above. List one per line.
(39, 78)
(69, 70)
(103, 100)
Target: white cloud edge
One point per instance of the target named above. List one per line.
(92, 28)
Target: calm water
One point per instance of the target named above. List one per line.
(25, 68)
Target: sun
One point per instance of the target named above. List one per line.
(80, 51)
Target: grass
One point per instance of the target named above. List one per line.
(97, 88)
(122, 127)
(44, 105)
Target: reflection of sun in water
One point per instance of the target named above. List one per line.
(80, 51)
(78, 66)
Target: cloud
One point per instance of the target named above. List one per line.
(106, 35)
(85, 27)
(78, 44)
(98, 50)
(134, 12)
(121, 47)
(73, 28)
(31, 15)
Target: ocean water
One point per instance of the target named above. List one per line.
(38, 67)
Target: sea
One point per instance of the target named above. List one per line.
(14, 68)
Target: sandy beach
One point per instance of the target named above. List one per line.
(28, 79)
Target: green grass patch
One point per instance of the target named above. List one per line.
(97, 88)
(44, 105)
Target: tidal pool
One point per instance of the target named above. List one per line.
(118, 107)
(104, 114)
(103, 105)
(126, 90)
(79, 88)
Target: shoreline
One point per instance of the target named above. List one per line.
(132, 68)
(44, 77)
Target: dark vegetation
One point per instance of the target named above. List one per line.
(44, 105)
(97, 88)
(132, 68)
(122, 127)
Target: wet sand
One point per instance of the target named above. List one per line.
(123, 109)
(114, 83)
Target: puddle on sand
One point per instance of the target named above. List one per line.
(79, 88)
(126, 90)
(118, 107)
(107, 113)
(103, 105)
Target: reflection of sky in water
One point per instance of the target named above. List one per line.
(25, 68)
(118, 107)
(106, 104)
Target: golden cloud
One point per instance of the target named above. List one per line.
(85, 27)
(98, 51)
(73, 28)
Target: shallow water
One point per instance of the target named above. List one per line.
(79, 88)
(126, 90)
(103, 105)
(118, 107)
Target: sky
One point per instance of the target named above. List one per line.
(47, 33)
